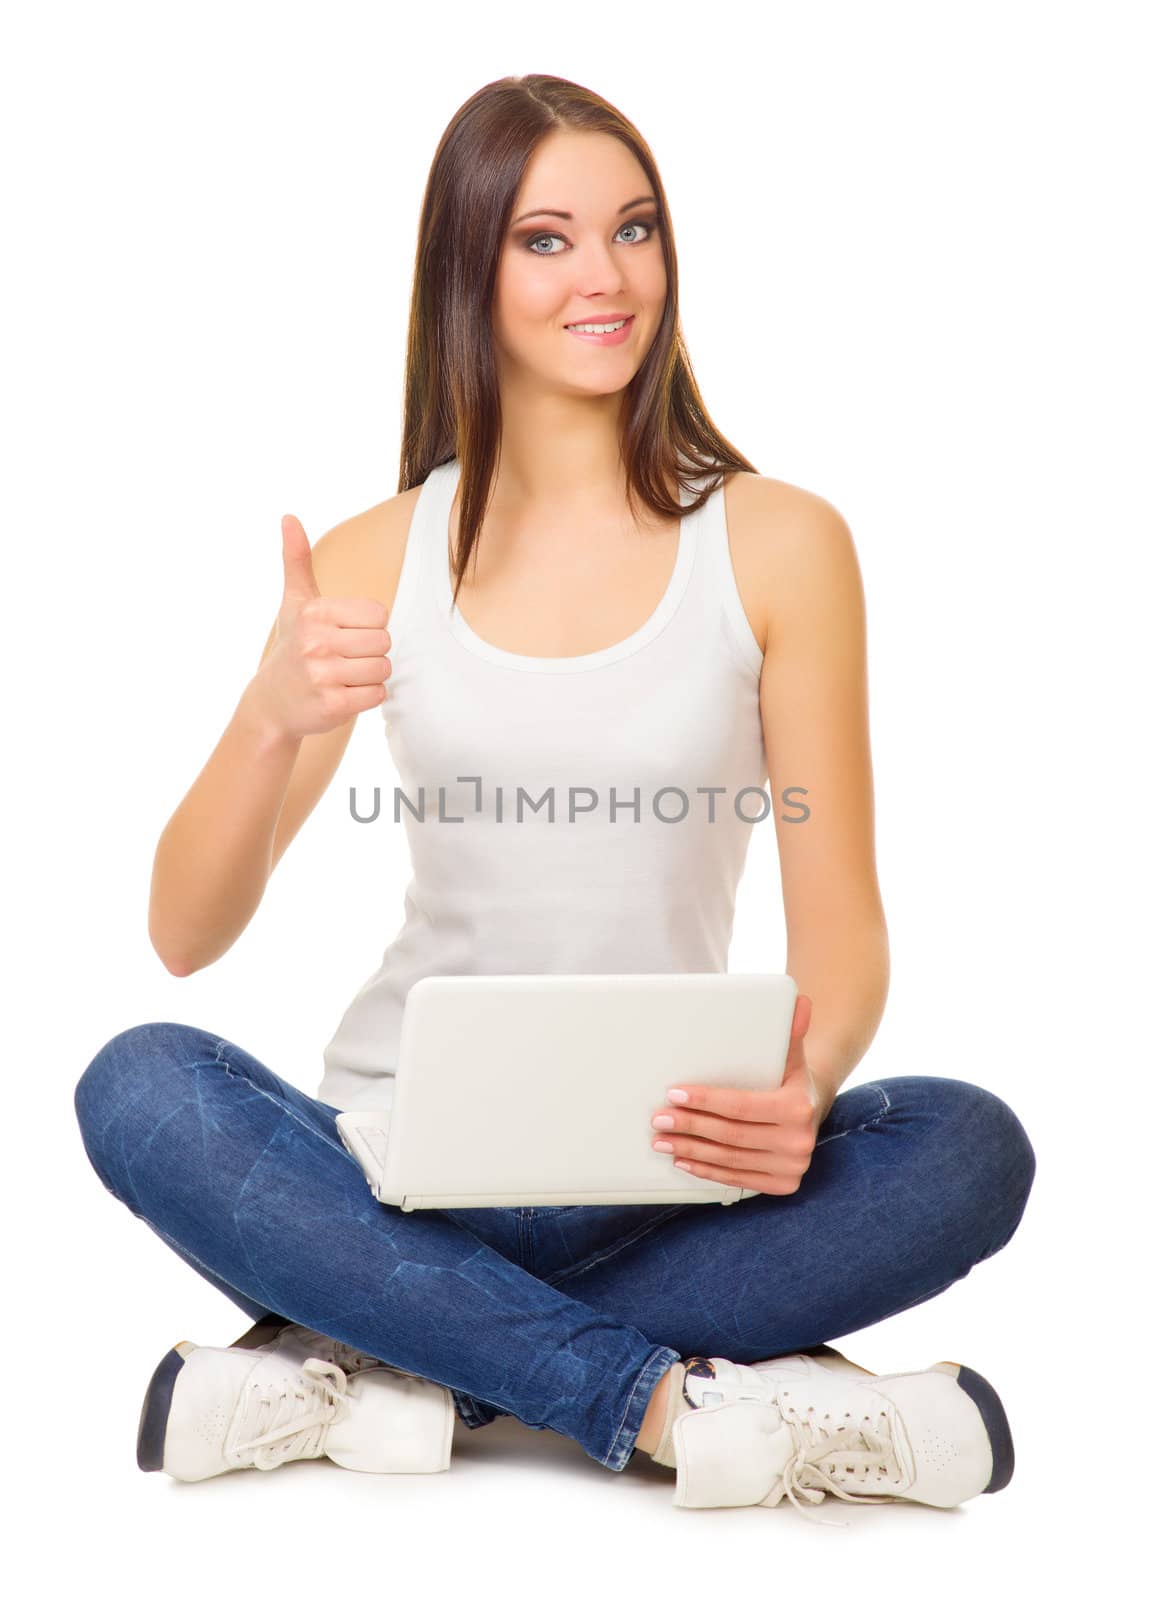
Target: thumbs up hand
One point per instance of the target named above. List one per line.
(329, 660)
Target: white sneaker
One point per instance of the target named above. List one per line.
(815, 1423)
(210, 1410)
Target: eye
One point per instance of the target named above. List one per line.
(649, 225)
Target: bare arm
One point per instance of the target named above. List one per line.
(214, 858)
(814, 709)
(218, 851)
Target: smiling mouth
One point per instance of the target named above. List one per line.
(616, 324)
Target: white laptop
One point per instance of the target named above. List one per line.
(539, 1089)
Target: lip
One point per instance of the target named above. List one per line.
(604, 338)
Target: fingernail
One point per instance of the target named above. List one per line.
(678, 1096)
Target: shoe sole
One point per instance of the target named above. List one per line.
(978, 1390)
(153, 1429)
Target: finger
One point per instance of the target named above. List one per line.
(765, 1182)
(355, 642)
(724, 1155)
(742, 1105)
(354, 612)
(801, 1017)
(355, 672)
(299, 578)
(718, 1130)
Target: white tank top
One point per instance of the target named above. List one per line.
(583, 813)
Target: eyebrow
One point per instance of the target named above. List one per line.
(641, 200)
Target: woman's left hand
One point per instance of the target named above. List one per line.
(757, 1138)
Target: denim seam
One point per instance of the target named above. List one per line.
(235, 1071)
(620, 1244)
(657, 1355)
(858, 1127)
(524, 1238)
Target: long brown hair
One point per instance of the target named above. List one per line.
(451, 394)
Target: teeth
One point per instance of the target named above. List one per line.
(597, 327)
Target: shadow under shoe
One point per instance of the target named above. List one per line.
(209, 1410)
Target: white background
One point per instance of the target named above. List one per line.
(914, 275)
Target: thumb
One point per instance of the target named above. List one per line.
(299, 578)
(801, 1017)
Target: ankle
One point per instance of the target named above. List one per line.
(653, 1425)
(652, 1428)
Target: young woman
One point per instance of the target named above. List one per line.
(580, 583)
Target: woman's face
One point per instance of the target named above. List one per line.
(603, 261)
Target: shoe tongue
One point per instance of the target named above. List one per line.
(710, 1381)
(299, 1343)
(304, 1342)
(279, 1365)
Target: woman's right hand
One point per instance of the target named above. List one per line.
(329, 660)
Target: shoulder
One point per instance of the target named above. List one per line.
(363, 554)
(793, 554)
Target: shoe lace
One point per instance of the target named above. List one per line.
(850, 1447)
(297, 1407)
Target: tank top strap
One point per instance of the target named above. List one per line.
(415, 584)
(713, 534)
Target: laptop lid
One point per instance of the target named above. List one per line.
(539, 1089)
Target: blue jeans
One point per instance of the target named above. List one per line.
(565, 1317)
